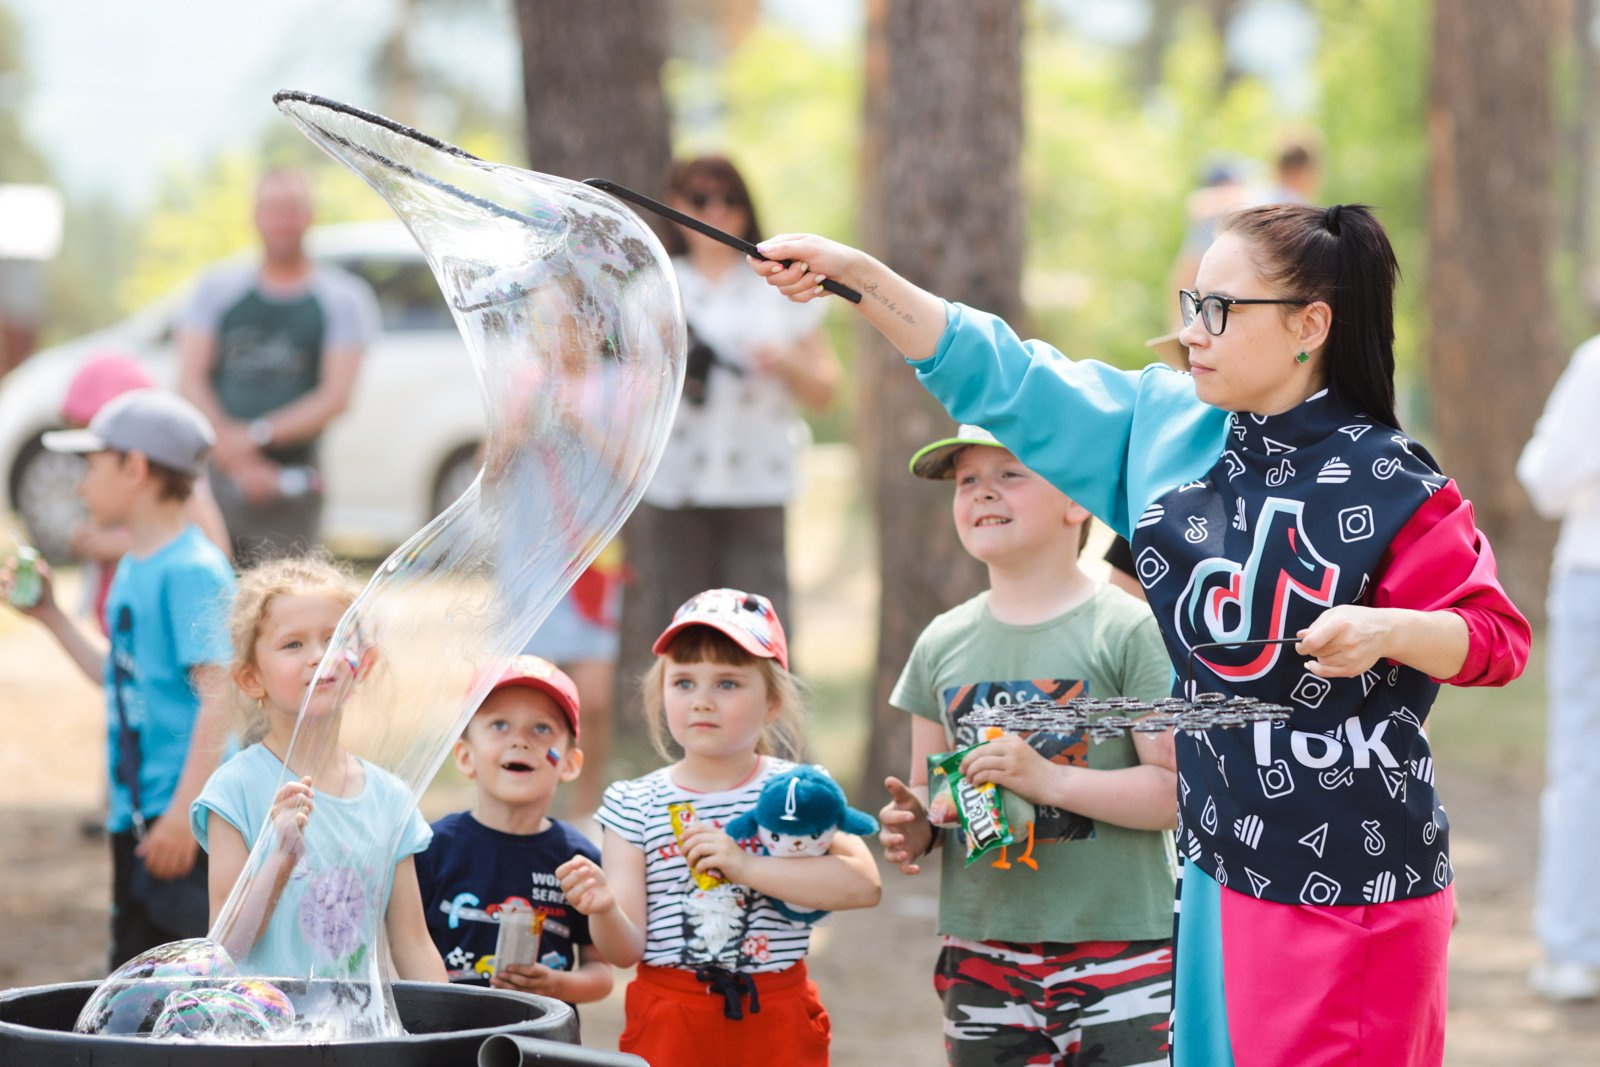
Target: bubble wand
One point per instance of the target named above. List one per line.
(624, 193)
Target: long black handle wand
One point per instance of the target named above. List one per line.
(726, 238)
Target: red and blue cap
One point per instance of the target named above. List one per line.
(535, 672)
(747, 619)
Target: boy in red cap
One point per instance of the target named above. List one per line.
(488, 879)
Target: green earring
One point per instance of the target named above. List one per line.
(1303, 357)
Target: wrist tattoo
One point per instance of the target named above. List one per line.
(870, 288)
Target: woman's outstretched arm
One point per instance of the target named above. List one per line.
(912, 319)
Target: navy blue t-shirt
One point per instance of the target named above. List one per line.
(470, 872)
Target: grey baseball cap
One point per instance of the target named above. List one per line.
(164, 427)
(938, 460)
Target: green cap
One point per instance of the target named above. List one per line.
(938, 460)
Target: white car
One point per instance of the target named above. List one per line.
(404, 449)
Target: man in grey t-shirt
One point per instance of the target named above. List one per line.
(270, 351)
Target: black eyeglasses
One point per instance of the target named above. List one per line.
(1213, 309)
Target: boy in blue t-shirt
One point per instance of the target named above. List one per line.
(166, 664)
(496, 864)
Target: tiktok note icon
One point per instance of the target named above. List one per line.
(1373, 841)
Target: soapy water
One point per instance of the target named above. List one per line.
(573, 326)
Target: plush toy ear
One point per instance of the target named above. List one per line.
(742, 827)
(858, 822)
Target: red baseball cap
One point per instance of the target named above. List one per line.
(747, 618)
(535, 672)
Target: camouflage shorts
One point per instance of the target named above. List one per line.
(1094, 1002)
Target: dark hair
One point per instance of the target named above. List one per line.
(1296, 156)
(1339, 255)
(693, 175)
(170, 484)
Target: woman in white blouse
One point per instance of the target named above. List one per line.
(714, 515)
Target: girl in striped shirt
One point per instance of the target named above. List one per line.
(722, 975)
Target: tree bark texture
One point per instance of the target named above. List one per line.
(591, 75)
(591, 79)
(943, 206)
(1495, 347)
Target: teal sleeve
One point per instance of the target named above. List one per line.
(418, 835)
(198, 597)
(1110, 439)
(225, 796)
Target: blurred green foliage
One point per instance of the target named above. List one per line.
(1107, 166)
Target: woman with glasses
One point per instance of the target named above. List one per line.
(1297, 548)
(713, 517)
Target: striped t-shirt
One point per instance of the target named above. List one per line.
(731, 926)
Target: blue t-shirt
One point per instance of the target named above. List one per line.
(471, 871)
(331, 910)
(168, 613)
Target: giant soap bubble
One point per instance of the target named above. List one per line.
(575, 333)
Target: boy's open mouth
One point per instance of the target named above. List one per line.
(518, 766)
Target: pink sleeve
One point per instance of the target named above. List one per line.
(1441, 562)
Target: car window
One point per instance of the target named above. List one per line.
(408, 297)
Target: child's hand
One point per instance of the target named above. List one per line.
(47, 597)
(903, 827)
(942, 813)
(709, 850)
(1010, 762)
(529, 978)
(585, 886)
(168, 848)
(291, 808)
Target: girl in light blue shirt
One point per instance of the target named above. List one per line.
(312, 904)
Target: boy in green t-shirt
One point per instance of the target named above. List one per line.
(1065, 950)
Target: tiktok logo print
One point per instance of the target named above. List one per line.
(1335, 806)
(1225, 601)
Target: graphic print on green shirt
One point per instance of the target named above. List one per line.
(1051, 825)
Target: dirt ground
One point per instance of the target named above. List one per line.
(873, 967)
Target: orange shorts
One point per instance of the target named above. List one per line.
(675, 1019)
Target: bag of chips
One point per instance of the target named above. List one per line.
(980, 811)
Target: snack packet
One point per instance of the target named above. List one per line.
(518, 939)
(26, 587)
(683, 816)
(979, 810)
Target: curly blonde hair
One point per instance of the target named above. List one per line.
(784, 736)
(289, 576)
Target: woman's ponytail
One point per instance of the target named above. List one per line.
(1339, 255)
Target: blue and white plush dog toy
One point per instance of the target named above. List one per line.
(797, 814)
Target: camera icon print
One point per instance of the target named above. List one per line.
(1356, 524)
(1151, 567)
(1319, 890)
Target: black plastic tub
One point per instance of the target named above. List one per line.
(445, 1024)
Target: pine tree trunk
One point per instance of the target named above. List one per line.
(1495, 348)
(944, 208)
(591, 81)
(591, 76)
